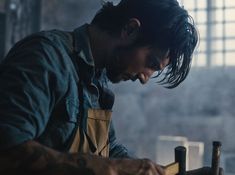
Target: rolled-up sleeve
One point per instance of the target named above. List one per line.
(32, 79)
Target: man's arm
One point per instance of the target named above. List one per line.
(32, 157)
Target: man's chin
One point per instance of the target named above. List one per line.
(115, 80)
(118, 79)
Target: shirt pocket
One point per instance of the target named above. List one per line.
(61, 126)
(98, 124)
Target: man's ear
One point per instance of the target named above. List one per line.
(131, 30)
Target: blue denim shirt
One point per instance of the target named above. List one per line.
(39, 90)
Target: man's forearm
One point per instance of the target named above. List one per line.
(32, 157)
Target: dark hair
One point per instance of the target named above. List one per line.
(164, 24)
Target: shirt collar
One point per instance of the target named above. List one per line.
(82, 44)
(87, 67)
(83, 50)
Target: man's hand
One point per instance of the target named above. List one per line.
(106, 166)
(204, 171)
(138, 167)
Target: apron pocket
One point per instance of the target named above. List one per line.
(98, 123)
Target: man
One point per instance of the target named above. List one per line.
(55, 106)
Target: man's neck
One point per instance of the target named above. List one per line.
(102, 45)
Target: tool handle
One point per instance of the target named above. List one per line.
(172, 169)
(180, 157)
(216, 157)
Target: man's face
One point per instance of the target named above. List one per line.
(131, 63)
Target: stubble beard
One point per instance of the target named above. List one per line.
(115, 67)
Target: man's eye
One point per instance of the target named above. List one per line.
(153, 63)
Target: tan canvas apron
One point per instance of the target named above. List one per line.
(98, 124)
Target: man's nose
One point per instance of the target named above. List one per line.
(164, 63)
(145, 75)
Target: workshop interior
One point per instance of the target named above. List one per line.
(197, 115)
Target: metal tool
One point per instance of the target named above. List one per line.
(179, 166)
(216, 157)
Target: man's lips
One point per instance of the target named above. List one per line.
(142, 78)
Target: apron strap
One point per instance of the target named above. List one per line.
(81, 113)
(79, 124)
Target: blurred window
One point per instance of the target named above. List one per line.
(215, 20)
(2, 6)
